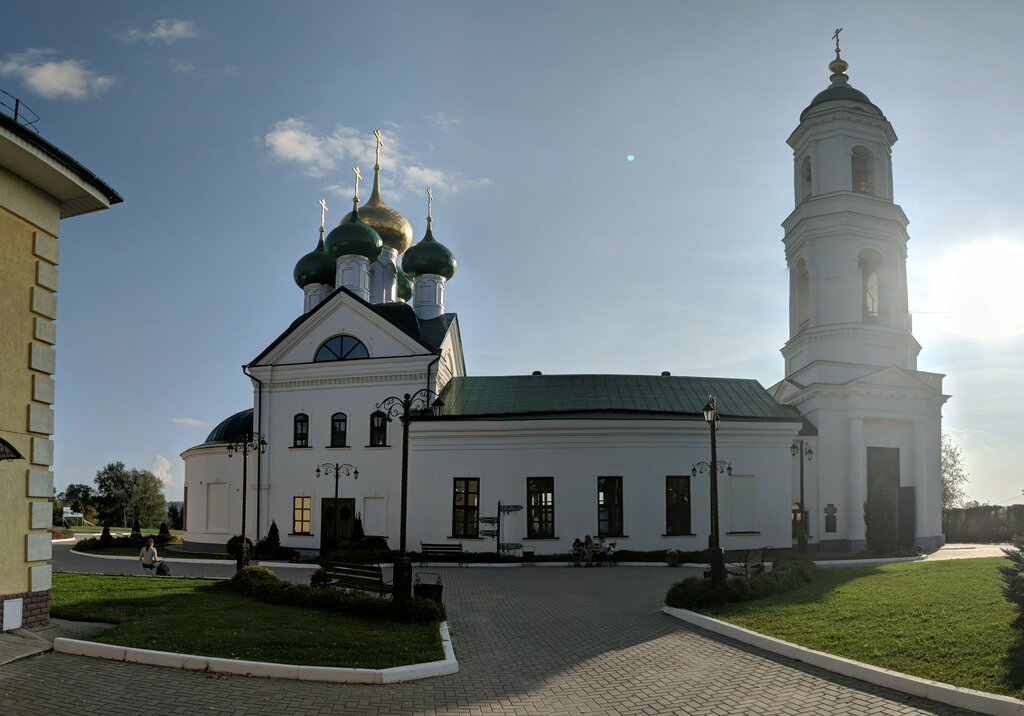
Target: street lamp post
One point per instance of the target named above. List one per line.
(801, 448)
(245, 444)
(717, 554)
(404, 409)
(338, 471)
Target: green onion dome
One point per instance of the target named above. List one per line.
(394, 229)
(429, 256)
(403, 285)
(353, 237)
(315, 267)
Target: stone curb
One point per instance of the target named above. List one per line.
(410, 672)
(970, 699)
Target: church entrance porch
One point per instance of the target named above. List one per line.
(337, 520)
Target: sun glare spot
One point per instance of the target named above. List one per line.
(978, 289)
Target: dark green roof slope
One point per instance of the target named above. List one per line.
(609, 396)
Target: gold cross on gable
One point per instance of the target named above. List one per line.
(380, 143)
(836, 38)
(359, 178)
(430, 203)
(323, 213)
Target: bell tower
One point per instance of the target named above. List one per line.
(846, 240)
(873, 419)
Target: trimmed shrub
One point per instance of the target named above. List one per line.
(234, 546)
(260, 583)
(695, 593)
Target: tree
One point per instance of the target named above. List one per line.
(124, 495)
(954, 474)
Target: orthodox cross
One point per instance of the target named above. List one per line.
(430, 204)
(836, 38)
(323, 213)
(380, 143)
(359, 178)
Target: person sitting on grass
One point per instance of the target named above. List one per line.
(148, 557)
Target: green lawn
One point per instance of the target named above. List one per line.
(945, 621)
(205, 617)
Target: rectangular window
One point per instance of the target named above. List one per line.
(540, 507)
(466, 507)
(677, 505)
(609, 506)
(302, 510)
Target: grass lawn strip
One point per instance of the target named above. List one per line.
(207, 618)
(946, 621)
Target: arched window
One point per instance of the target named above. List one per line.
(339, 430)
(378, 429)
(341, 348)
(862, 167)
(300, 434)
(871, 289)
(803, 295)
(805, 178)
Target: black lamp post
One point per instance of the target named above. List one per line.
(405, 409)
(717, 554)
(801, 448)
(327, 468)
(245, 444)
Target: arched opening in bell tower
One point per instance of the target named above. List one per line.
(805, 179)
(862, 167)
(870, 264)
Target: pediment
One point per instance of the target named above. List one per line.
(341, 314)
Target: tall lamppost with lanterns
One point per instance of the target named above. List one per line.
(716, 466)
(245, 444)
(405, 408)
(803, 450)
(347, 470)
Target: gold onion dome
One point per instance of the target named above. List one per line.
(353, 237)
(394, 229)
(403, 285)
(315, 267)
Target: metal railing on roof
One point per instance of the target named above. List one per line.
(21, 112)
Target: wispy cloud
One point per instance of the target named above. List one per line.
(443, 121)
(162, 469)
(321, 154)
(166, 31)
(188, 422)
(52, 78)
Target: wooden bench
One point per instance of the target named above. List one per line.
(752, 566)
(440, 549)
(365, 577)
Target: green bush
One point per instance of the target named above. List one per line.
(260, 583)
(786, 575)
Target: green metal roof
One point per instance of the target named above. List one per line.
(609, 396)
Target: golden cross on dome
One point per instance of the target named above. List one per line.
(836, 38)
(359, 178)
(380, 143)
(323, 213)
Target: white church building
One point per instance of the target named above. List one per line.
(608, 455)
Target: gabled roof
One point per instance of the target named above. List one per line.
(429, 333)
(609, 396)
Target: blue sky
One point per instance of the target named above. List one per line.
(223, 124)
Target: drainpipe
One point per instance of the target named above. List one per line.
(259, 454)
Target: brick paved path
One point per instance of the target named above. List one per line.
(530, 641)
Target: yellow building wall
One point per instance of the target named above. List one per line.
(28, 282)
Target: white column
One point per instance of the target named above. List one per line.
(857, 483)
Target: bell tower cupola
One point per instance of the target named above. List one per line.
(846, 240)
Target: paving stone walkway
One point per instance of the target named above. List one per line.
(530, 641)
